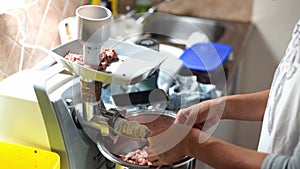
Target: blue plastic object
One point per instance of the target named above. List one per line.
(205, 56)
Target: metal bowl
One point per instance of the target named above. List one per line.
(153, 120)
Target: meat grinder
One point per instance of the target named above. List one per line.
(69, 96)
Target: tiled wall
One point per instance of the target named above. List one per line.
(43, 19)
(42, 29)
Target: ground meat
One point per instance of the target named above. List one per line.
(138, 157)
(107, 55)
(74, 58)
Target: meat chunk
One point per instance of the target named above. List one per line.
(138, 157)
(74, 58)
(107, 55)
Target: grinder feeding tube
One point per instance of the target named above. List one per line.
(92, 20)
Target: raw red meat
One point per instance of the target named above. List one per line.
(74, 58)
(138, 157)
(107, 55)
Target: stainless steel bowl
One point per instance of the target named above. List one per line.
(153, 120)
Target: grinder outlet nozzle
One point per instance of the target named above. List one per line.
(131, 128)
(125, 127)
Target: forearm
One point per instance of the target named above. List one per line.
(220, 154)
(246, 106)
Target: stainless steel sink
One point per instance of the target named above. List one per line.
(170, 28)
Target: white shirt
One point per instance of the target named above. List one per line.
(281, 125)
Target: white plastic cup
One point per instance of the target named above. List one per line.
(93, 29)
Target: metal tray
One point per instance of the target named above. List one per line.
(135, 63)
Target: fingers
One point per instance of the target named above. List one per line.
(186, 118)
(153, 158)
(182, 116)
(167, 148)
(156, 161)
(180, 120)
(160, 160)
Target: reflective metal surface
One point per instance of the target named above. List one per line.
(154, 120)
(169, 27)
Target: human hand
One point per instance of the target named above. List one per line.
(168, 145)
(171, 145)
(202, 115)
